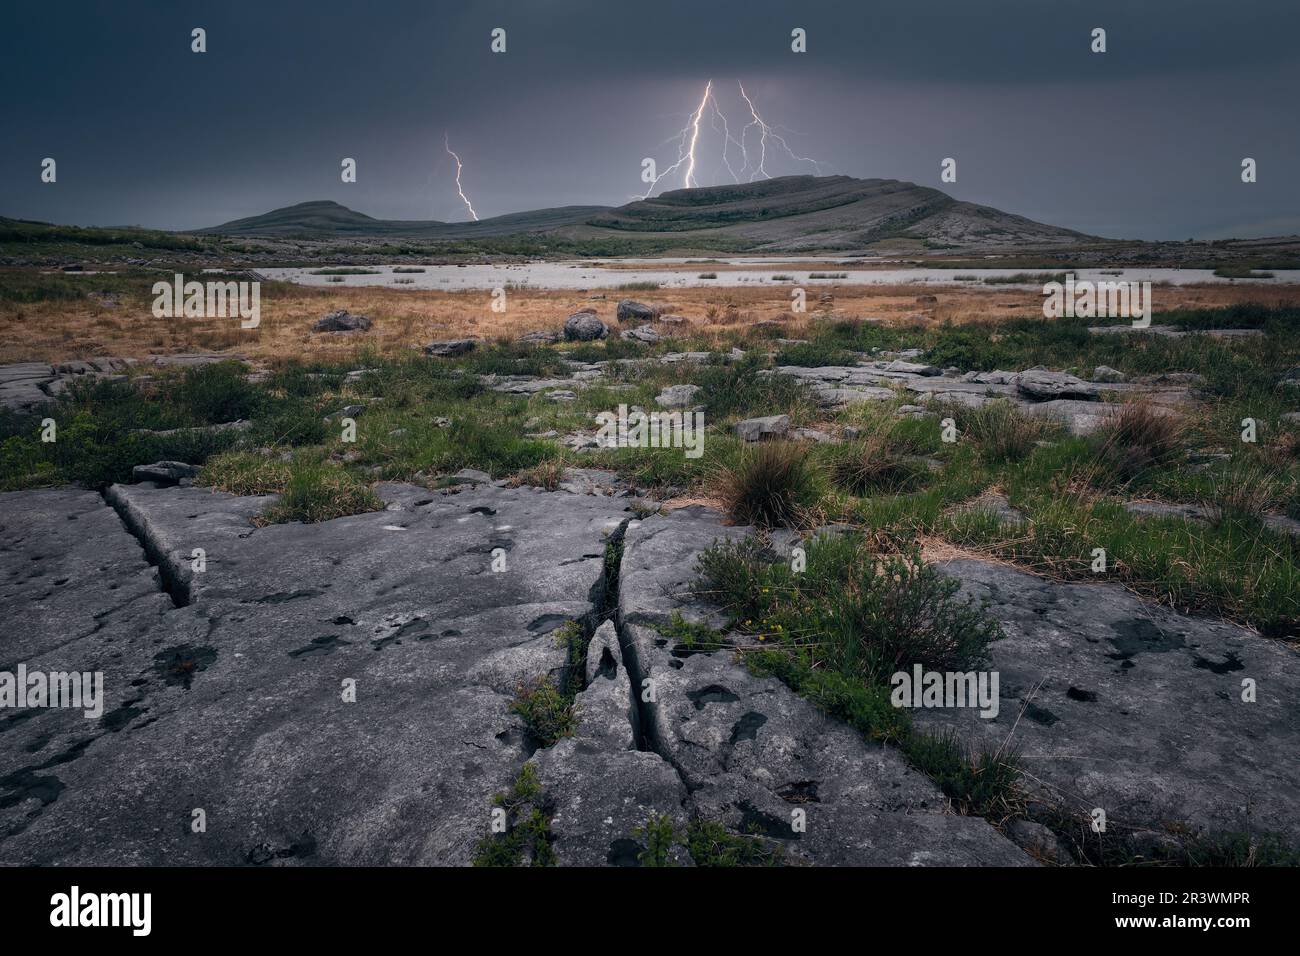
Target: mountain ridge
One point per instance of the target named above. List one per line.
(784, 214)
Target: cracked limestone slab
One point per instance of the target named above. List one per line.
(600, 788)
(1136, 709)
(752, 751)
(234, 703)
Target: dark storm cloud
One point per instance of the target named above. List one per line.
(1143, 141)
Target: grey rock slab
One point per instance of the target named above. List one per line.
(525, 385)
(450, 347)
(643, 333)
(542, 337)
(842, 397)
(164, 472)
(1162, 331)
(911, 368)
(1045, 385)
(341, 320)
(677, 396)
(236, 701)
(1137, 709)
(68, 567)
(760, 429)
(658, 571)
(600, 797)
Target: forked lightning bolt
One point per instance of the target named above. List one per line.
(686, 143)
(765, 133)
(688, 139)
(463, 198)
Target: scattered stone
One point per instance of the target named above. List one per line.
(1104, 373)
(677, 396)
(809, 434)
(927, 300)
(673, 320)
(1041, 384)
(341, 320)
(562, 395)
(440, 422)
(760, 429)
(642, 333)
(584, 327)
(450, 347)
(347, 411)
(165, 472)
(1039, 842)
(911, 368)
(841, 397)
(632, 311)
(540, 338)
(470, 476)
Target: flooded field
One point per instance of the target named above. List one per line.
(669, 273)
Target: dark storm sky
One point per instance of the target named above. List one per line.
(1144, 141)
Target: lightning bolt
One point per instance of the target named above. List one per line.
(463, 198)
(765, 133)
(687, 140)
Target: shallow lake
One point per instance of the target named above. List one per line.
(612, 273)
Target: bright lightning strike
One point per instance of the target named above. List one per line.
(688, 139)
(463, 198)
(765, 133)
(686, 143)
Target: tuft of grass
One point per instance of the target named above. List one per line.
(246, 473)
(862, 614)
(320, 492)
(527, 838)
(1244, 492)
(1002, 432)
(872, 463)
(978, 781)
(659, 835)
(712, 844)
(771, 485)
(1140, 436)
(547, 713)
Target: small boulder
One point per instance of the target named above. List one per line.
(673, 320)
(760, 429)
(342, 320)
(165, 472)
(912, 368)
(631, 311)
(540, 338)
(642, 333)
(470, 476)
(1104, 373)
(927, 300)
(584, 327)
(450, 347)
(1043, 385)
(677, 396)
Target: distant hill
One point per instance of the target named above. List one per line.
(324, 218)
(787, 214)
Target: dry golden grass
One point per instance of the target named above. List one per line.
(60, 331)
